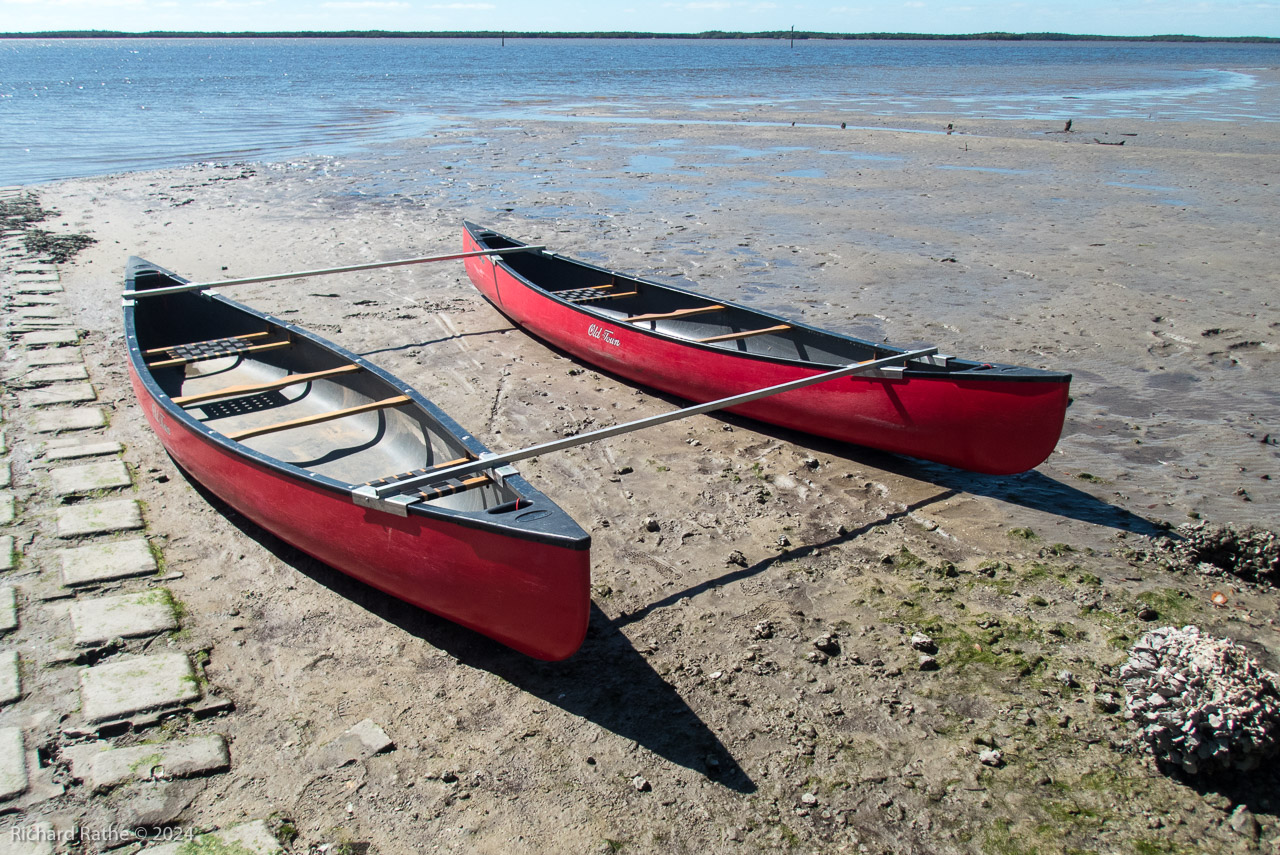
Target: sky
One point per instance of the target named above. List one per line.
(1100, 17)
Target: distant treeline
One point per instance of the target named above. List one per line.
(711, 34)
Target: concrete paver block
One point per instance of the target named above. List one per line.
(71, 449)
(81, 418)
(35, 839)
(8, 609)
(105, 562)
(7, 561)
(8, 508)
(53, 356)
(72, 480)
(47, 311)
(99, 518)
(250, 838)
(98, 620)
(102, 767)
(63, 393)
(122, 688)
(10, 677)
(45, 338)
(56, 374)
(13, 763)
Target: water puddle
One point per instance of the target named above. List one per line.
(650, 163)
(993, 169)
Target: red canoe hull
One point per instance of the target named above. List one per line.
(995, 426)
(527, 595)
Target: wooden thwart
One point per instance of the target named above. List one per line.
(743, 334)
(385, 403)
(678, 313)
(270, 385)
(218, 354)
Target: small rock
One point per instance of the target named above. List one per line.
(923, 643)
(817, 657)
(809, 799)
(651, 524)
(737, 558)
(827, 643)
(1244, 823)
(784, 541)
(928, 663)
(1106, 703)
(623, 470)
(1068, 679)
(1147, 613)
(992, 757)
(764, 629)
(641, 785)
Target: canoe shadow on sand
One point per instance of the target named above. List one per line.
(1033, 489)
(607, 682)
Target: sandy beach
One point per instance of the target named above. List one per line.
(1139, 255)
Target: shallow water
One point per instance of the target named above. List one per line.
(86, 107)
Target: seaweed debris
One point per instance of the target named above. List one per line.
(23, 213)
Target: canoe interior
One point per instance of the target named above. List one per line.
(703, 322)
(182, 335)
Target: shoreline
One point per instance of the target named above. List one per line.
(716, 35)
(1144, 269)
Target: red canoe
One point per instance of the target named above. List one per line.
(335, 456)
(997, 419)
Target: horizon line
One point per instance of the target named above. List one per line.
(804, 35)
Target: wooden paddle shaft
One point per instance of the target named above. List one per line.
(491, 461)
(302, 274)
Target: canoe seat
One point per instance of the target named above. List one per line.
(247, 337)
(585, 296)
(414, 473)
(743, 334)
(184, 354)
(593, 293)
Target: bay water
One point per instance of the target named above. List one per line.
(81, 107)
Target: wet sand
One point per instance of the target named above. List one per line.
(1145, 269)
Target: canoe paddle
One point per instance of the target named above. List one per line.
(302, 274)
(379, 497)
